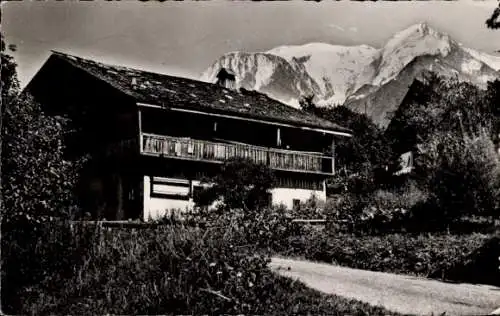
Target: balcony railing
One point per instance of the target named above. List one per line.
(186, 148)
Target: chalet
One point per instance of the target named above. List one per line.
(226, 78)
(152, 137)
(405, 164)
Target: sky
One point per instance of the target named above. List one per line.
(185, 38)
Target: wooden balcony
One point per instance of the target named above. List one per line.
(218, 152)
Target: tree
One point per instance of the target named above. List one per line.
(493, 22)
(37, 186)
(437, 104)
(240, 184)
(492, 103)
(462, 175)
(9, 82)
(9, 89)
(367, 147)
(365, 158)
(451, 126)
(36, 178)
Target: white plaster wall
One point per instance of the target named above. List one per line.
(158, 207)
(285, 196)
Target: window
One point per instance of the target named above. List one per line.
(171, 188)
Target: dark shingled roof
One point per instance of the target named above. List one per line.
(170, 91)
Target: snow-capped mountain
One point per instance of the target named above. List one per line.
(490, 60)
(364, 78)
(266, 73)
(338, 70)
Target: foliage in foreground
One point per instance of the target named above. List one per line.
(480, 266)
(170, 270)
(37, 185)
(36, 179)
(416, 254)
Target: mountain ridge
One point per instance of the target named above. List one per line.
(360, 76)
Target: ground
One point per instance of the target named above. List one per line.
(400, 293)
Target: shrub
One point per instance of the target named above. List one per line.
(312, 208)
(345, 208)
(405, 197)
(361, 182)
(481, 265)
(263, 229)
(240, 184)
(390, 210)
(415, 254)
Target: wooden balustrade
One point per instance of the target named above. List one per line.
(185, 148)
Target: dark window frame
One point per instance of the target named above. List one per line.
(165, 181)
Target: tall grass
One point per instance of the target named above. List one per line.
(167, 269)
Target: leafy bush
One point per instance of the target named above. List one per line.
(240, 183)
(344, 211)
(390, 210)
(481, 265)
(312, 208)
(37, 189)
(263, 229)
(36, 178)
(405, 197)
(376, 212)
(415, 254)
(360, 182)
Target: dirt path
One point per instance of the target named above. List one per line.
(400, 293)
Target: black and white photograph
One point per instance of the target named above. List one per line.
(250, 157)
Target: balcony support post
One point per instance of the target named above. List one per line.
(278, 137)
(139, 116)
(333, 155)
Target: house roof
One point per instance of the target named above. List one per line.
(169, 91)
